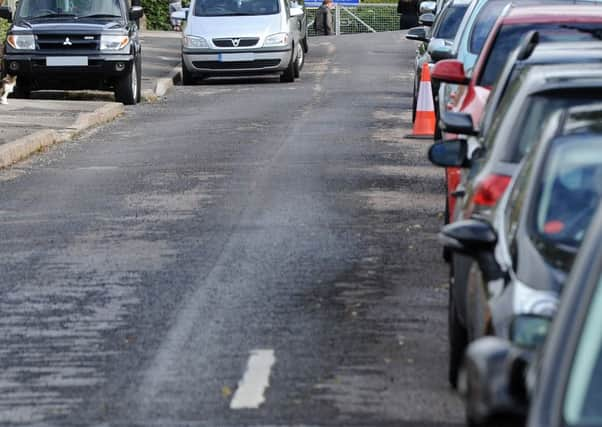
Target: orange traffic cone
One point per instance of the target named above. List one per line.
(424, 124)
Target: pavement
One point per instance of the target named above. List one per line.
(243, 252)
(27, 125)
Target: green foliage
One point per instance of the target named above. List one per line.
(4, 24)
(157, 14)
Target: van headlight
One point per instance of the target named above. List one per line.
(278, 39)
(113, 42)
(22, 41)
(194, 42)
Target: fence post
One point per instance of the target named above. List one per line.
(337, 18)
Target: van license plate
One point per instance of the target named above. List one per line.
(235, 57)
(66, 61)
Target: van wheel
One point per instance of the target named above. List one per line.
(299, 62)
(127, 87)
(187, 77)
(305, 44)
(289, 74)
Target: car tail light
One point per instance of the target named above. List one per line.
(489, 191)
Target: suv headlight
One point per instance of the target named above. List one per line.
(278, 39)
(529, 331)
(22, 41)
(195, 42)
(113, 42)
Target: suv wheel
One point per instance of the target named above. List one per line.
(128, 87)
(22, 89)
(299, 62)
(289, 74)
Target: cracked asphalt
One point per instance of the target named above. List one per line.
(144, 262)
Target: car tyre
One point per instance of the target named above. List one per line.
(299, 62)
(458, 338)
(289, 74)
(128, 86)
(415, 98)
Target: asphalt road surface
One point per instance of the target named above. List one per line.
(243, 253)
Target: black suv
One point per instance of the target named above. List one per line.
(74, 44)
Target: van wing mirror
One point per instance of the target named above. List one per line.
(296, 11)
(136, 13)
(181, 14)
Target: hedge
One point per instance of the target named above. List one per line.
(156, 13)
(4, 24)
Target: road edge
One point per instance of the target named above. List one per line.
(21, 148)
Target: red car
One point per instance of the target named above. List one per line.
(554, 23)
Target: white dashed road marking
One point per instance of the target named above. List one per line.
(255, 381)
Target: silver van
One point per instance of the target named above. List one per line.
(242, 37)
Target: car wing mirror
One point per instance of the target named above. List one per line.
(6, 13)
(441, 52)
(417, 34)
(136, 13)
(450, 153)
(495, 379)
(476, 238)
(296, 11)
(427, 7)
(455, 122)
(449, 70)
(181, 14)
(426, 19)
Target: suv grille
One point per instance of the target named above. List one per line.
(242, 42)
(68, 42)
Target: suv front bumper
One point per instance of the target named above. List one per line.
(34, 67)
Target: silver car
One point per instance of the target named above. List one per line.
(242, 37)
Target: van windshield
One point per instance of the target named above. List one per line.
(235, 7)
(34, 9)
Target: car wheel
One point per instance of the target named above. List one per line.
(126, 89)
(299, 62)
(305, 44)
(187, 77)
(415, 98)
(446, 251)
(289, 74)
(458, 338)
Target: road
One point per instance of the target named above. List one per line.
(239, 230)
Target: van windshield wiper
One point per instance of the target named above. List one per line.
(53, 15)
(100, 15)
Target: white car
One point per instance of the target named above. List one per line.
(242, 37)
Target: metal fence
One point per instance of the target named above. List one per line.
(364, 18)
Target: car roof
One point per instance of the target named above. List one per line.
(554, 13)
(543, 77)
(560, 53)
(460, 2)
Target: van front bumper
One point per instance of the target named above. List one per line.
(237, 63)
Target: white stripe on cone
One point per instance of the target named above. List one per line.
(425, 99)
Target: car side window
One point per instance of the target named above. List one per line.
(515, 205)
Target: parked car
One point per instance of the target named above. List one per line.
(552, 23)
(533, 97)
(248, 37)
(440, 34)
(559, 384)
(68, 44)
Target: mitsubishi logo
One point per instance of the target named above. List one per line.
(235, 42)
(67, 42)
